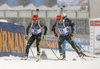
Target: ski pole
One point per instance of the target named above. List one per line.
(32, 52)
(61, 12)
(78, 44)
(37, 11)
(51, 49)
(56, 44)
(80, 38)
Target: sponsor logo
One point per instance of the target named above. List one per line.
(12, 39)
(12, 42)
(98, 37)
(53, 44)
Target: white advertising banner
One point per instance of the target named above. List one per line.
(95, 35)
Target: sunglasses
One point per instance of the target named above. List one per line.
(58, 18)
(34, 20)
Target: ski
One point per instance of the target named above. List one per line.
(37, 60)
(90, 56)
(23, 58)
(83, 58)
(11, 59)
(86, 59)
(57, 59)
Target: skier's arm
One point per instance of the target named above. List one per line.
(27, 29)
(68, 22)
(45, 28)
(73, 26)
(53, 29)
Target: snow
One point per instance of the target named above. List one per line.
(17, 8)
(15, 63)
(5, 7)
(2, 20)
(43, 7)
(31, 6)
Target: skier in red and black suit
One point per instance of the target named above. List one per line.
(36, 26)
(65, 34)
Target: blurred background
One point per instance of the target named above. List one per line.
(79, 11)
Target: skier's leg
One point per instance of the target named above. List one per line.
(29, 43)
(73, 45)
(38, 46)
(64, 46)
(78, 46)
(63, 49)
(60, 41)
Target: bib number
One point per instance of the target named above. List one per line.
(35, 31)
(61, 31)
(64, 30)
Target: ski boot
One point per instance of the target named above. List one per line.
(62, 56)
(38, 57)
(81, 54)
(25, 57)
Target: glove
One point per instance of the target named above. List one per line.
(56, 36)
(59, 37)
(26, 37)
(43, 36)
(71, 34)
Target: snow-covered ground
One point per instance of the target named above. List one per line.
(16, 63)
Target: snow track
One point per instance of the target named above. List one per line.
(12, 62)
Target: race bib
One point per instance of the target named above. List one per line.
(36, 31)
(64, 30)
